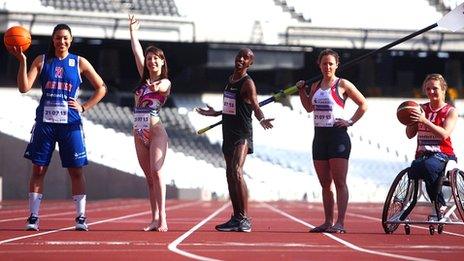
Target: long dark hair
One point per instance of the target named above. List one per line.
(164, 70)
(51, 47)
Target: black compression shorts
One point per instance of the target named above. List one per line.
(330, 143)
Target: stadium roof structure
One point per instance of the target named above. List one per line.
(99, 25)
(351, 38)
(268, 25)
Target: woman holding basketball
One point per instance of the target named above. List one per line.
(58, 118)
(150, 137)
(331, 145)
(433, 127)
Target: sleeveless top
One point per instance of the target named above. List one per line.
(236, 113)
(429, 142)
(60, 80)
(147, 103)
(328, 105)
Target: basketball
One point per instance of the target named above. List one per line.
(17, 36)
(403, 113)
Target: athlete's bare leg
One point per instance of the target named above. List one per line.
(325, 179)
(36, 180)
(237, 182)
(339, 169)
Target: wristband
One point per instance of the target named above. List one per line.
(350, 122)
(262, 119)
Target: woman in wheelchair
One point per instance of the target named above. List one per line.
(433, 126)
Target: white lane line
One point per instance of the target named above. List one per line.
(23, 208)
(94, 223)
(378, 219)
(173, 245)
(415, 226)
(343, 242)
(73, 212)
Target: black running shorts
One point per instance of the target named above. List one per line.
(330, 143)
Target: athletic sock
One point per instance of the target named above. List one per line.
(80, 201)
(34, 203)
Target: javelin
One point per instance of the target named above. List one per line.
(453, 20)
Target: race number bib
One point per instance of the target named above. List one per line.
(141, 118)
(229, 103)
(55, 112)
(323, 116)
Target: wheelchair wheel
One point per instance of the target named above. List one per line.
(399, 195)
(457, 188)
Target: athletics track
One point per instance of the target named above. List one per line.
(279, 233)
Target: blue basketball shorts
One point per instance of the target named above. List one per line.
(70, 139)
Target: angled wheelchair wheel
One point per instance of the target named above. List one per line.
(399, 196)
(457, 188)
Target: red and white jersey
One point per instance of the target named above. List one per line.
(328, 105)
(427, 141)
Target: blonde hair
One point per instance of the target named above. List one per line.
(436, 77)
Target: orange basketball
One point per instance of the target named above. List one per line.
(403, 113)
(17, 36)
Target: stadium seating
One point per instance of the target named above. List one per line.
(280, 168)
(156, 7)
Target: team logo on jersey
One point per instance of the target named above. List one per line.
(72, 62)
(59, 72)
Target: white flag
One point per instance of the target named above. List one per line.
(453, 20)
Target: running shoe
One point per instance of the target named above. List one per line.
(231, 225)
(32, 223)
(81, 225)
(244, 225)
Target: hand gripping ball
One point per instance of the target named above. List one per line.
(17, 36)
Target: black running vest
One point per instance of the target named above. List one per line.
(236, 115)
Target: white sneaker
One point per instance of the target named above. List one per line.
(81, 225)
(32, 223)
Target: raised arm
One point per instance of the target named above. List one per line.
(24, 79)
(137, 50)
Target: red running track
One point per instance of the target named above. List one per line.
(280, 232)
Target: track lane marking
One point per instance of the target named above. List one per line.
(415, 226)
(73, 211)
(343, 242)
(50, 205)
(378, 219)
(95, 223)
(173, 245)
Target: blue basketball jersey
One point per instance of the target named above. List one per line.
(60, 80)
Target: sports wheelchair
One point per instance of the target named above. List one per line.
(406, 193)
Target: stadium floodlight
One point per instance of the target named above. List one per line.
(453, 21)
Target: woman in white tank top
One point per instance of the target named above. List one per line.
(331, 144)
